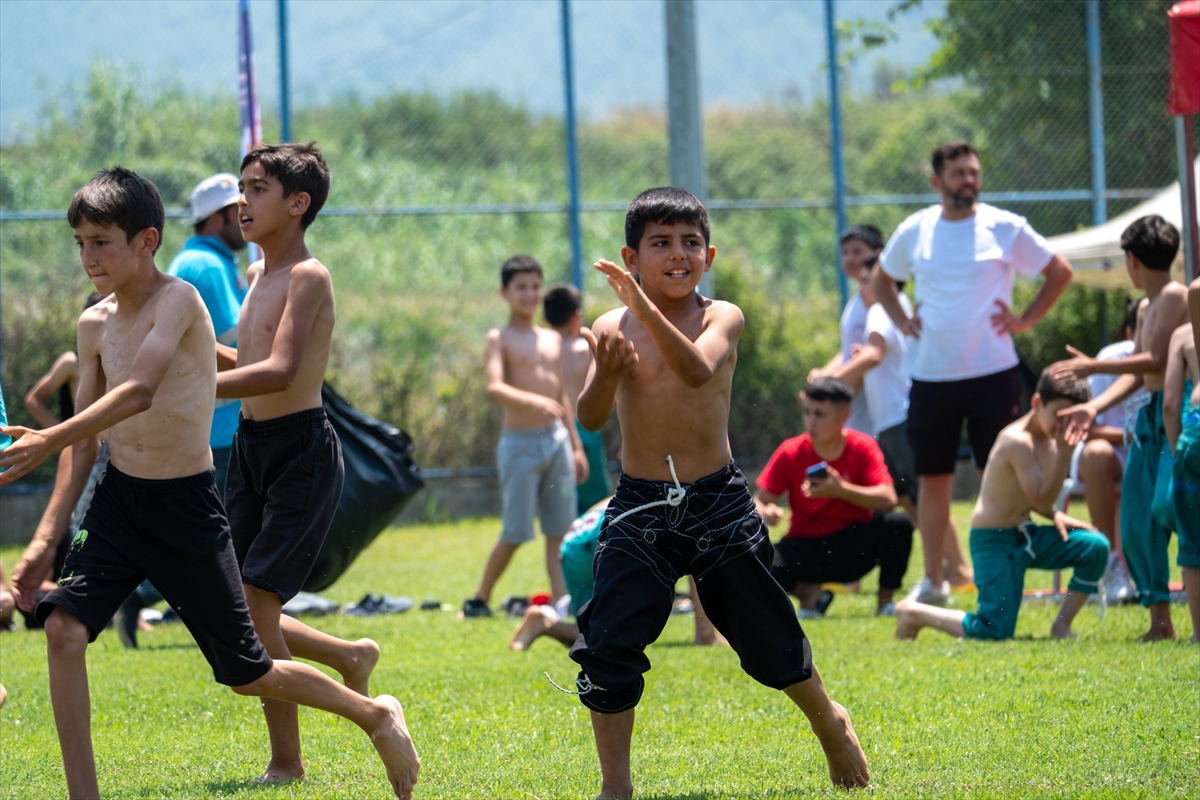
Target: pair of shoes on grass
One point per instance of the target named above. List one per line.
(372, 604)
(473, 607)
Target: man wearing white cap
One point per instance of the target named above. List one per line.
(207, 263)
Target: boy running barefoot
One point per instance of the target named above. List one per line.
(148, 378)
(1150, 244)
(1181, 417)
(1024, 473)
(285, 471)
(682, 506)
(539, 455)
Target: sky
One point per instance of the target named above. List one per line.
(750, 50)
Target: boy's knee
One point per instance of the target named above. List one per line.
(256, 688)
(65, 631)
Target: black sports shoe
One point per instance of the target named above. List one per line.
(474, 607)
(825, 602)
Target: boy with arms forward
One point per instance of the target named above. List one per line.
(148, 377)
(1150, 244)
(1181, 418)
(285, 471)
(539, 455)
(667, 362)
(1025, 471)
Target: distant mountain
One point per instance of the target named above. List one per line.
(750, 50)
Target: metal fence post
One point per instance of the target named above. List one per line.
(1096, 107)
(285, 91)
(572, 151)
(835, 147)
(683, 107)
(1185, 152)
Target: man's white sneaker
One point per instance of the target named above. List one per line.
(926, 592)
(1116, 581)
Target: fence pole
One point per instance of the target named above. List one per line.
(285, 91)
(835, 126)
(1185, 152)
(572, 151)
(683, 107)
(1096, 107)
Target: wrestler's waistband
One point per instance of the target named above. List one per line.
(643, 487)
(304, 420)
(165, 486)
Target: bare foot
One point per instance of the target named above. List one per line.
(532, 626)
(709, 638)
(3, 695)
(1157, 634)
(616, 794)
(1062, 632)
(358, 677)
(847, 763)
(395, 747)
(282, 773)
(906, 626)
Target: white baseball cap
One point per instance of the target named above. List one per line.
(211, 195)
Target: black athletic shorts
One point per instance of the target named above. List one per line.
(847, 555)
(898, 457)
(285, 481)
(173, 532)
(936, 410)
(716, 536)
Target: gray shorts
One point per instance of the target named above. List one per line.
(537, 470)
(897, 454)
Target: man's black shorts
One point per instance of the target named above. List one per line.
(936, 410)
(285, 481)
(173, 532)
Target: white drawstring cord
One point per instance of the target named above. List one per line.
(674, 496)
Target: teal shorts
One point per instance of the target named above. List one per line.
(1186, 494)
(1002, 555)
(1144, 538)
(577, 551)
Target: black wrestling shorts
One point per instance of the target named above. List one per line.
(285, 481)
(936, 410)
(174, 533)
(713, 534)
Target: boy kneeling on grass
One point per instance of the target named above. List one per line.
(1024, 473)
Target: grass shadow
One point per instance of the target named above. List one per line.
(231, 786)
(176, 646)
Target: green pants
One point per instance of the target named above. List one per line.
(1002, 555)
(1143, 538)
(578, 550)
(1187, 491)
(598, 485)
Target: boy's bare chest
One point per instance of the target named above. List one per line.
(526, 354)
(262, 311)
(121, 338)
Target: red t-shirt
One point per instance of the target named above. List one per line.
(860, 463)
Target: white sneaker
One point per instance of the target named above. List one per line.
(925, 592)
(1116, 581)
(809, 613)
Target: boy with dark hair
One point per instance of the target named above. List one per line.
(682, 507)
(1181, 418)
(148, 347)
(285, 472)
(539, 453)
(563, 309)
(1024, 473)
(1150, 244)
(840, 493)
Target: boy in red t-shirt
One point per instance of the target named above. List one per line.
(840, 492)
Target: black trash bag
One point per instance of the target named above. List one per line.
(381, 477)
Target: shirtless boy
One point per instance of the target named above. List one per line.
(148, 377)
(682, 506)
(1150, 244)
(285, 469)
(540, 454)
(1181, 418)
(1025, 471)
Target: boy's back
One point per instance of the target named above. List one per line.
(1162, 316)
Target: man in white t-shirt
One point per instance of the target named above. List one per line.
(861, 246)
(964, 256)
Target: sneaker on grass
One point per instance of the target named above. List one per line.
(926, 592)
(1116, 581)
(474, 607)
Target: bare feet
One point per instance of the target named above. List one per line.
(282, 773)
(535, 624)
(847, 763)
(1062, 632)
(358, 677)
(3, 695)
(395, 747)
(1158, 634)
(622, 793)
(906, 624)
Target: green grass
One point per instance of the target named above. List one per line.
(1101, 716)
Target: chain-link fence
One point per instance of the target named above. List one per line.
(443, 124)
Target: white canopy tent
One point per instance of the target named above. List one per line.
(1095, 253)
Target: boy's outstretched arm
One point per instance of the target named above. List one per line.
(612, 357)
(98, 411)
(1153, 358)
(694, 362)
(309, 287)
(1079, 418)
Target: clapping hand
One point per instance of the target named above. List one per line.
(1080, 366)
(613, 354)
(626, 287)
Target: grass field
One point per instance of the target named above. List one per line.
(1101, 716)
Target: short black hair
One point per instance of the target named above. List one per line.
(560, 303)
(835, 390)
(121, 197)
(202, 224)
(1153, 241)
(665, 205)
(1051, 388)
(869, 235)
(517, 265)
(299, 168)
(950, 151)
(1131, 314)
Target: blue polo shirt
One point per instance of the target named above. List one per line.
(207, 263)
